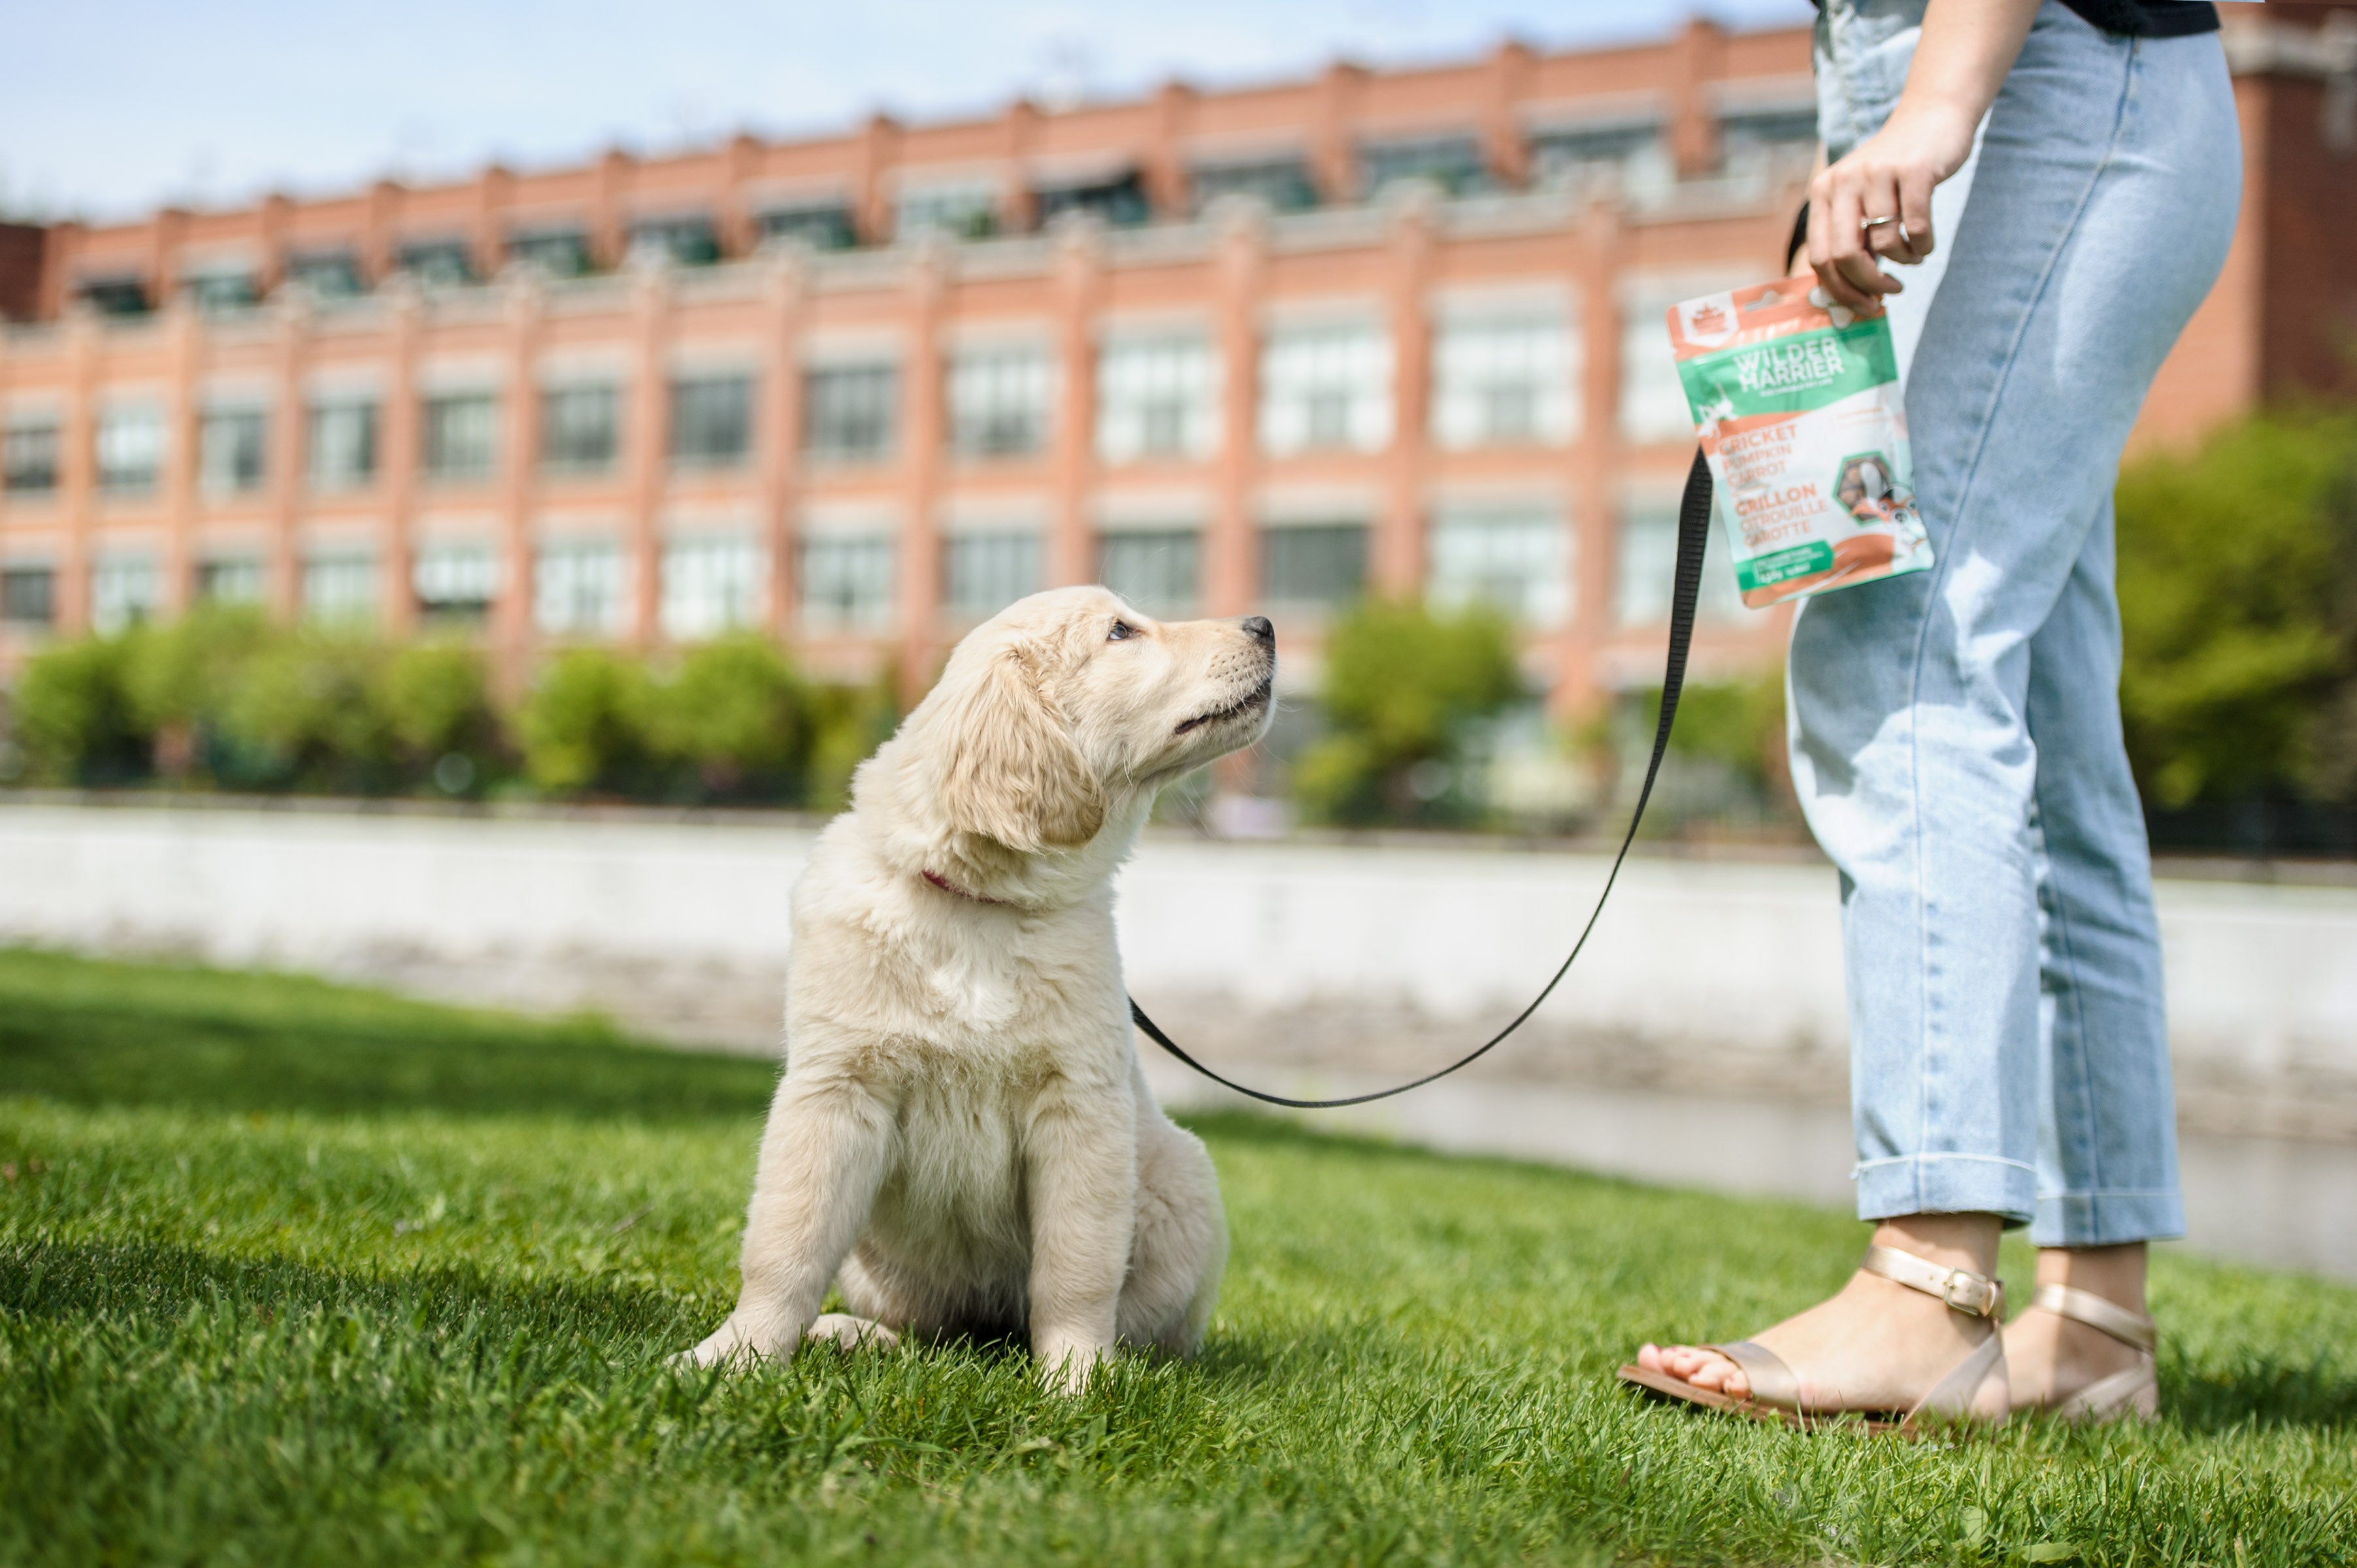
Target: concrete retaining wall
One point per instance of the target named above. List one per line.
(1732, 955)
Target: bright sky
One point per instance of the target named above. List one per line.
(107, 110)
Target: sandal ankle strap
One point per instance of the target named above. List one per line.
(1976, 1295)
(2130, 1328)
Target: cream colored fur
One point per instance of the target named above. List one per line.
(963, 1139)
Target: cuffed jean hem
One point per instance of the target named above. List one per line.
(1947, 1184)
(2107, 1218)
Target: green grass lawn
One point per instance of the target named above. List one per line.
(295, 1273)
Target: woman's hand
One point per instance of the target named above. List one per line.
(1961, 60)
(1888, 175)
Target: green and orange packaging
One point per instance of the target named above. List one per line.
(1798, 406)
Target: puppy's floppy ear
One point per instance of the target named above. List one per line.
(1015, 773)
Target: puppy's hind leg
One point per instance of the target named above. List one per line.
(1182, 1244)
(823, 1158)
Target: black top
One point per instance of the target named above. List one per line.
(2149, 18)
(2142, 18)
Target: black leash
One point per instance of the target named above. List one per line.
(1693, 538)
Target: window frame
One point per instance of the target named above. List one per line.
(443, 457)
(706, 452)
(112, 429)
(1001, 402)
(825, 416)
(245, 469)
(1279, 539)
(14, 468)
(980, 565)
(550, 424)
(820, 560)
(367, 414)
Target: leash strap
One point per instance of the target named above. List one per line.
(1693, 538)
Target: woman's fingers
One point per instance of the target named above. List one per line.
(1844, 270)
(1915, 214)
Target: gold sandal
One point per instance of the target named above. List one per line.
(2133, 1393)
(1776, 1392)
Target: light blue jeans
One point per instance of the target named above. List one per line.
(1955, 732)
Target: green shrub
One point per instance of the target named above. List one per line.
(2234, 595)
(847, 723)
(584, 729)
(736, 713)
(181, 677)
(436, 698)
(1403, 686)
(307, 706)
(74, 718)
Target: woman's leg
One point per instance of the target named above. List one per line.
(2100, 215)
(2107, 1128)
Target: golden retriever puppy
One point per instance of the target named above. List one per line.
(963, 1139)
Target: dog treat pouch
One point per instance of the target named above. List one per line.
(1798, 407)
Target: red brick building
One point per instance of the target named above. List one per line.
(1268, 347)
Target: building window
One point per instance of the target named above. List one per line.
(1156, 397)
(1578, 158)
(580, 428)
(1316, 565)
(1159, 570)
(559, 252)
(1119, 201)
(119, 293)
(28, 459)
(1769, 141)
(130, 450)
(1325, 389)
(437, 263)
(461, 435)
(125, 590)
(454, 584)
(965, 211)
(984, 572)
(711, 586)
(847, 412)
(711, 421)
(1455, 164)
(230, 456)
(1652, 398)
(998, 401)
(1515, 558)
(340, 586)
(581, 588)
(343, 445)
(1503, 380)
(230, 580)
(825, 226)
(328, 274)
(681, 241)
(1645, 572)
(1285, 184)
(29, 595)
(847, 583)
(218, 292)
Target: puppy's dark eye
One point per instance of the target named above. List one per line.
(1121, 631)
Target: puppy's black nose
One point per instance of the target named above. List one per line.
(1260, 630)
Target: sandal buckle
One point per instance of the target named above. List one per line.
(1965, 1290)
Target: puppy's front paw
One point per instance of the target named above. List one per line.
(851, 1333)
(1067, 1371)
(735, 1342)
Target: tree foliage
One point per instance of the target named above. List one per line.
(1405, 687)
(2235, 592)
